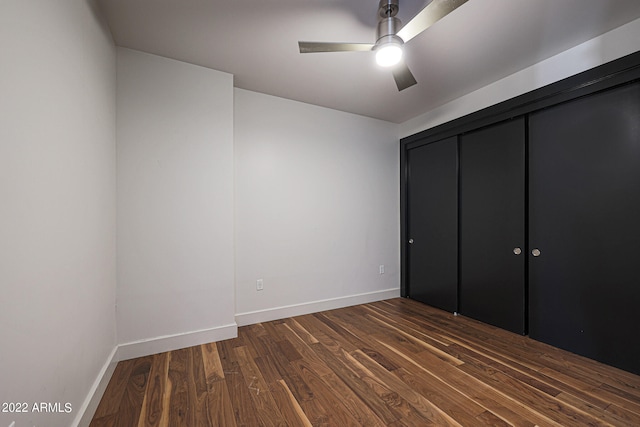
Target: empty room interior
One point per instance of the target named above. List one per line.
(304, 212)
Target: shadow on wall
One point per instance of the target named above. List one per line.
(99, 17)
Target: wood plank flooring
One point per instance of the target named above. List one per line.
(389, 363)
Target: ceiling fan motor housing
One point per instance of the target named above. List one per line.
(388, 24)
(387, 29)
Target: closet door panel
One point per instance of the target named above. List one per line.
(432, 218)
(492, 227)
(584, 192)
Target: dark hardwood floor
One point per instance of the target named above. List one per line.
(389, 363)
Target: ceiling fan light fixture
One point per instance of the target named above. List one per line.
(388, 54)
(388, 45)
(391, 37)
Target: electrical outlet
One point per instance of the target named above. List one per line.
(259, 285)
(381, 269)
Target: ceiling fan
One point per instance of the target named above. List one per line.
(389, 40)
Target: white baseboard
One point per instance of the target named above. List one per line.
(145, 348)
(161, 344)
(252, 317)
(173, 342)
(90, 404)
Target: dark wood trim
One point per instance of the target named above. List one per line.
(459, 242)
(404, 179)
(615, 73)
(526, 221)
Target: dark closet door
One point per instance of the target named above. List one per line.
(432, 217)
(492, 225)
(585, 226)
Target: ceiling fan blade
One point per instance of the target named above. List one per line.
(428, 16)
(402, 75)
(311, 47)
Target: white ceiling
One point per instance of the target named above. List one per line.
(256, 41)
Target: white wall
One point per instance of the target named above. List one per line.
(175, 204)
(316, 207)
(57, 205)
(600, 50)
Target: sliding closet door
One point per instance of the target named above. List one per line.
(585, 226)
(492, 228)
(432, 224)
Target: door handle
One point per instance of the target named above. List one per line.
(410, 241)
(517, 251)
(536, 252)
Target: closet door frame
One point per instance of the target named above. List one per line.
(606, 76)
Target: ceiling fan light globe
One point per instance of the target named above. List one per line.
(388, 55)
